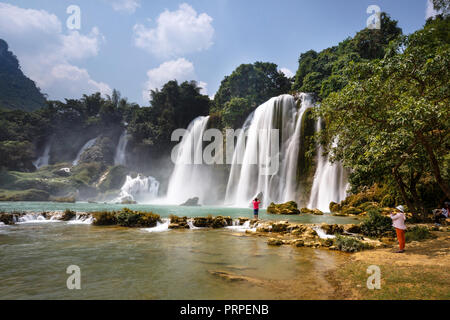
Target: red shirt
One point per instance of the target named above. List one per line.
(256, 204)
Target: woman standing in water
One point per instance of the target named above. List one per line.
(256, 203)
(398, 220)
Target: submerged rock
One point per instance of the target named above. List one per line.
(288, 208)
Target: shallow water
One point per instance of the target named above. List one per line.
(119, 263)
(166, 210)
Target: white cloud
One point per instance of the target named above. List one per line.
(128, 6)
(288, 73)
(180, 70)
(176, 33)
(46, 53)
(430, 11)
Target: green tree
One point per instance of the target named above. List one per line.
(256, 82)
(235, 111)
(391, 122)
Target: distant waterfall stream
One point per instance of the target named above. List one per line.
(330, 181)
(43, 160)
(120, 157)
(88, 145)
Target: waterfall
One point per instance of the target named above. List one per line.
(247, 177)
(330, 181)
(88, 145)
(141, 189)
(190, 177)
(120, 157)
(43, 160)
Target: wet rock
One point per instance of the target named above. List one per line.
(68, 215)
(192, 202)
(274, 242)
(288, 208)
(332, 228)
(202, 222)
(299, 243)
(352, 228)
(317, 212)
(281, 226)
(243, 220)
(178, 223)
(7, 218)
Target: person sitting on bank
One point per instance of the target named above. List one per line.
(398, 220)
(256, 203)
(442, 214)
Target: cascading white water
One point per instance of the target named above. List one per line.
(142, 189)
(43, 160)
(88, 145)
(190, 177)
(120, 157)
(246, 178)
(330, 181)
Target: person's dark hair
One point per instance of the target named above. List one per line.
(256, 199)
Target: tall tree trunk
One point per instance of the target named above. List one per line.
(414, 179)
(434, 165)
(402, 188)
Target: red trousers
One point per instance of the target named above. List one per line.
(401, 238)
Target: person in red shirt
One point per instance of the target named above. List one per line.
(256, 203)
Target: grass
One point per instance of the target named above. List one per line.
(397, 283)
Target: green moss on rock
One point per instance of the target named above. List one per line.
(288, 208)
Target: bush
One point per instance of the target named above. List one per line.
(130, 218)
(376, 225)
(104, 218)
(349, 244)
(418, 233)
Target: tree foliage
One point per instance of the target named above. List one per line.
(321, 73)
(391, 121)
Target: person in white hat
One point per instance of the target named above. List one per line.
(398, 220)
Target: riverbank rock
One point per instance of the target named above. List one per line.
(212, 222)
(332, 228)
(288, 208)
(7, 218)
(192, 202)
(68, 215)
(274, 242)
(178, 223)
(316, 212)
(352, 228)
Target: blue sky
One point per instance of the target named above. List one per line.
(134, 45)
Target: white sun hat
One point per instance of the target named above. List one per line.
(401, 208)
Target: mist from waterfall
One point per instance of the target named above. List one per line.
(43, 160)
(330, 181)
(247, 178)
(142, 189)
(120, 156)
(87, 145)
(191, 177)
